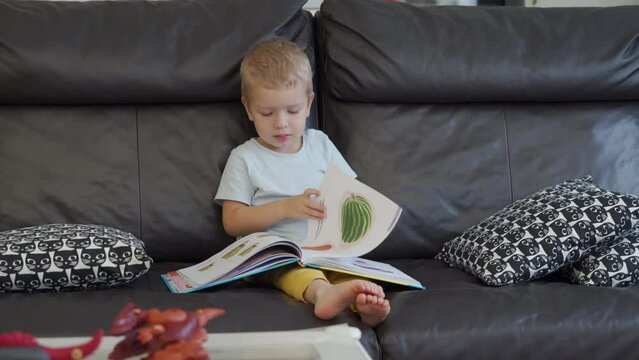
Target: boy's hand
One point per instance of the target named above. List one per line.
(302, 206)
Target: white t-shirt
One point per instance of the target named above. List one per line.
(256, 175)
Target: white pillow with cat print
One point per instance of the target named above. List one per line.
(66, 257)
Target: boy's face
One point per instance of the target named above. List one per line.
(279, 115)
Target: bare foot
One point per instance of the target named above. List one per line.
(372, 309)
(330, 300)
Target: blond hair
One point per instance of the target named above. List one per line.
(276, 64)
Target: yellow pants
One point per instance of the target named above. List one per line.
(293, 279)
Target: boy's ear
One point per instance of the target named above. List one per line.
(246, 108)
(311, 96)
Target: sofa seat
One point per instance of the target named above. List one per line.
(249, 308)
(548, 318)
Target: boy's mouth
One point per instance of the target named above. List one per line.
(281, 138)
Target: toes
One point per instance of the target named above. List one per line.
(370, 288)
(360, 299)
(364, 287)
(374, 289)
(368, 299)
(375, 300)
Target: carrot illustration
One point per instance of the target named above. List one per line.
(321, 222)
(319, 247)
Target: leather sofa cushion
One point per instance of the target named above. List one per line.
(69, 164)
(107, 52)
(249, 308)
(458, 317)
(387, 52)
(446, 165)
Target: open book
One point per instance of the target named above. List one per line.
(357, 220)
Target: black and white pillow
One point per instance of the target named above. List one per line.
(614, 265)
(62, 257)
(541, 233)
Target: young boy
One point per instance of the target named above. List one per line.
(269, 182)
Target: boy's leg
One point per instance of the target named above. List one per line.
(295, 281)
(335, 277)
(329, 298)
(291, 279)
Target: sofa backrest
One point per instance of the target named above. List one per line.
(123, 113)
(454, 112)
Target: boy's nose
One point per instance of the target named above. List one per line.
(281, 122)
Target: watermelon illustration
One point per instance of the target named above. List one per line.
(357, 216)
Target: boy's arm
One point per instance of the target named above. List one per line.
(240, 219)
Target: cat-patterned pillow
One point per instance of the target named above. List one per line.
(610, 265)
(63, 257)
(542, 232)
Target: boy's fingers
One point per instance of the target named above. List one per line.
(309, 192)
(315, 205)
(315, 214)
(312, 204)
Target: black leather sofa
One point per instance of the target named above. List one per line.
(123, 113)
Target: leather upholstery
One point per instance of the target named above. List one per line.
(458, 317)
(134, 51)
(456, 112)
(69, 164)
(249, 308)
(445, 165)
(384, 52)
(572, 140)
(129, 166)
(123, 113)
(183, 149)
(446, 121)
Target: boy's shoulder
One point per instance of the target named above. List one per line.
(245, 149)
(319, 141)
(316, 136)
(315, 133)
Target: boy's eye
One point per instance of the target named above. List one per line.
(293, 111)
(266, 114)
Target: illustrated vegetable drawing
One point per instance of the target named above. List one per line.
(357, 216)
(321, 222)
(319, 247)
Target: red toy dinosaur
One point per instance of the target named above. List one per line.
(172, 334)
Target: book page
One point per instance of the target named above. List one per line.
(358, 218)
(239, 252)
(366, 268)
